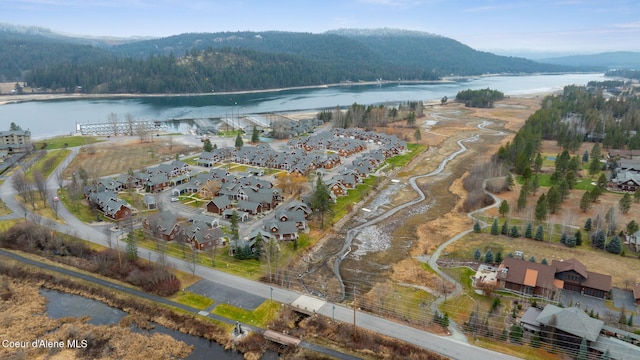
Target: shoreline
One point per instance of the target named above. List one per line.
(6, 99)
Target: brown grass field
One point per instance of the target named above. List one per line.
(117, 157)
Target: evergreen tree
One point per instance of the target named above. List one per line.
(516, 334)
(544, 262)
(554, 199)
(234, 228)
(563, 238)
(595, 193)
(514, 232)
(503, 335)
(321, 200)
(504, 208)
(596, 152)
(477, 255)
(529, 231)
(494, 227)
(571, 179)
(578, 237)
(532, 259)
(535, 341)
(505, 228)
(585, 157)
(522, 199)
(509, 182)
(588, 224)
(614, 246)
(594, 166)
(476, 228)
(541, 208)
(563, 189)
(632, 227)
(625, 203)
(537, 164)
(585, 201)
(499, 258)
(574, 165)
(417, 134)
(535, 184)
(207, 146)
(239, 141)
(539, 233)
(255, 136)
(488, 257)
(570, 242)
(636, 195)
(602, 182)
(598, 239)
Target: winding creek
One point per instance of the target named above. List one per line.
(432, 260)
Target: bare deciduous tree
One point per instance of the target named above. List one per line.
(192, 261)
(21, 185)
(211, 188)
(41, 184)
(130, 120)
(270, 251)
(112, 118)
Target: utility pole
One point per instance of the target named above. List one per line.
(355, 329)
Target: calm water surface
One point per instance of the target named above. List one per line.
(68, 305)
(50, 118)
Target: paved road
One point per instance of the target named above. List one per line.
(443, 345)
(158, 299)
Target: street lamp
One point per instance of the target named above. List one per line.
(271, 294)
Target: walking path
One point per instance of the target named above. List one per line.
(446, 346)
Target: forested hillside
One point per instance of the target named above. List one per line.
(243, 61)
(575, 116)
(203, 71)
(439, 54)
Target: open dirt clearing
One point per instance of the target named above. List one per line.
(117, 156)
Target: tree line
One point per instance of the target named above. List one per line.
(571, 118)
(483, 98)
(228, 69)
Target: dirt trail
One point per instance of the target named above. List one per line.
(387, 248)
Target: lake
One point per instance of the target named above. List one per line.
(59, 117)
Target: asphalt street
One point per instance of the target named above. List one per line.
(443, 345)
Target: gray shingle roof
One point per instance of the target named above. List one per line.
(571, 320)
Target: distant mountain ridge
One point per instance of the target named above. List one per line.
(338, 55)
(605, 61)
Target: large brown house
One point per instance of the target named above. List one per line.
(545, 280)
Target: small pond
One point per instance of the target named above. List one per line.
(66, 305)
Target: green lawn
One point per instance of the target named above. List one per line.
(62, 142)
(260, 317)
(545, 181)
(192, 299)
(343, 203)
(402, 160)
(48, 163)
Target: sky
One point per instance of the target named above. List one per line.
(502, 26)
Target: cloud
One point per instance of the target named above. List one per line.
(631, 25)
